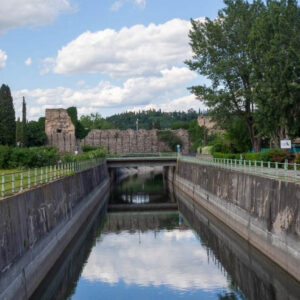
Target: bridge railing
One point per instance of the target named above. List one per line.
(12, 181)
(283, 171)
(143, 155)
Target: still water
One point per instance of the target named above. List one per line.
(161, 255)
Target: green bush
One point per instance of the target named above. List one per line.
(33, 157)
(4, 156)
(98, 153)
(169, 138)
(226, 155)
(88, 148)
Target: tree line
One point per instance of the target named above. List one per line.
(251, 55)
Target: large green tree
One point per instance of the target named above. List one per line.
(7, 117)
(94, 121)
(275, 51)
(24, 124)
(35, 133)
(221, 53)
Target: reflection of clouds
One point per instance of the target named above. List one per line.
(170, 258)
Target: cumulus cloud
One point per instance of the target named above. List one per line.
(19, 13)
(28, 61)
(134, 92)
(174, 259)
(131, 52)
(3, 59)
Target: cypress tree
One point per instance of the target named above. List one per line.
(24, 124)
(7, 117)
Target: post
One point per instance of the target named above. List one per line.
(41, 177)
(28, 179)
(295, 172)
(21, 182)
(276, 169)
(3, 185)
(35, 176)
(13, 182)
(46, 174)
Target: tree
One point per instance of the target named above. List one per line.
(94, 121)
(7, 117)
(275, 53)
(221, 53)
(24, 124)
(36, 135)
(18, 131)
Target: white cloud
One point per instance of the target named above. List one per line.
(19, 13)
(119, 3)
(81, 83)
(134, 92)
(148, 259)
(28, 61)
(131, 52)
(3, 59)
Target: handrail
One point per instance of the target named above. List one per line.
(283, 171)
(12, 182)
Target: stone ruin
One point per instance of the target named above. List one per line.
(60, 132)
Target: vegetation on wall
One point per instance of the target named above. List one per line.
(80, 131)
(171, 139)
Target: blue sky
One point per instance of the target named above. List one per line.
(104, 56)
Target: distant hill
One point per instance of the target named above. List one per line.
(151, 119)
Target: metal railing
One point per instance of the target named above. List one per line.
(143, 155)
(283, 171)
(12, 182)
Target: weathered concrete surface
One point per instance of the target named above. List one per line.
(255, 275)
(263, 211)
(37, 225)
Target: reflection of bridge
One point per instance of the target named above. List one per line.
(142, 160)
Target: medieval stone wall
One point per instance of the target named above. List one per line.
(60, 132)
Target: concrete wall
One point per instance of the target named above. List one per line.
(37, 225)
(263, 211)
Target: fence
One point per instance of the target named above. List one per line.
(17, 181)
(142, 155)
(283, 171)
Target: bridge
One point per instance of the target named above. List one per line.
(142, 160)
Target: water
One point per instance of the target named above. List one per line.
(161, 255)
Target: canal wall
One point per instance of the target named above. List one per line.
(37, 225)
(264, 211)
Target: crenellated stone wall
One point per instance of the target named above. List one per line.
(60, 132)
(132, 141)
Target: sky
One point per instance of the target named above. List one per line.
(104, 56)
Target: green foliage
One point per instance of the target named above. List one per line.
(18, 157)
(272, 155)
(180, 125)
(24, 125)
(220, 49)
(88, 148)
(80, 131)
(7, 117)
(221, 144)
(35, 131)
(4, 156)
(275, 54)
(151, 119)
(198, 135)
(98, 153)
(170, 139)
(94, 121)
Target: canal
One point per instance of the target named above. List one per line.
(154, 251)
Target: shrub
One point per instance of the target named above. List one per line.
(4, 156)
(88, 148)
(98, 153)
(169, 138)
(226, 155)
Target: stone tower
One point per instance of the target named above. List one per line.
(60, 130)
